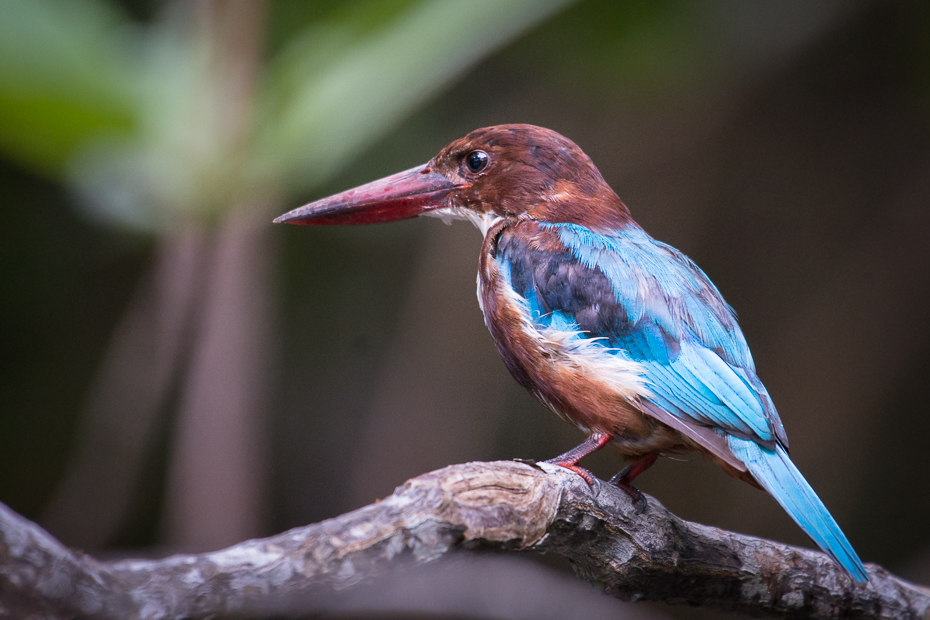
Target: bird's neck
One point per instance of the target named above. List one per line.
(600, 210)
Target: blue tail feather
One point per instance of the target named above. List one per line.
(778, 475)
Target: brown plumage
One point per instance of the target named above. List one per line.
(616, 332)
(551, 180)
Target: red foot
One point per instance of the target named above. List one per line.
(590, 478)
(623, 479)
(569, 460)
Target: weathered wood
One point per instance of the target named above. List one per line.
(652, 555)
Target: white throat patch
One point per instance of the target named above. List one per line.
(482, 221)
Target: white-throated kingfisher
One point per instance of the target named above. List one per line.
(618, 333)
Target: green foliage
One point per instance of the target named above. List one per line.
(138, 117)
(65, 78)
(365, 80)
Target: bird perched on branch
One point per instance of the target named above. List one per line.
(618, 333)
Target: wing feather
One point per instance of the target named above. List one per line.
(654, 306)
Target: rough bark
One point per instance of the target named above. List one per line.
(649, 555)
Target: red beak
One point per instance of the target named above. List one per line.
(397, 197)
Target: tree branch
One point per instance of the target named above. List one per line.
(652, 555)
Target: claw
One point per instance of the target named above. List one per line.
(569, 460)
(639, 500)
(623, 479)
(588, 477)
(531, 462)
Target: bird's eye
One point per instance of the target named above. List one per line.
(477, 161)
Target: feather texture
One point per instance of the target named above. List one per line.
(654, 306)
(616, 332)
(640, 304)
(778, 475)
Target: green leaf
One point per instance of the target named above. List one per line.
(330, 96)
(65, 76)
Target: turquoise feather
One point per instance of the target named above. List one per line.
(777, 474)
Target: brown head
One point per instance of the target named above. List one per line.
(505, 170)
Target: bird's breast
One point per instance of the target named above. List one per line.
(582, 379)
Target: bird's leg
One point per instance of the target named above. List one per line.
(624, 478)
(569, 460)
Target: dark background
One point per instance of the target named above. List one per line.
(308, 371)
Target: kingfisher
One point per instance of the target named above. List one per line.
(619, 334)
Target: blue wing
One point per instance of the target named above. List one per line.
(651, 302)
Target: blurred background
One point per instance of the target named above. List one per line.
(178, 374)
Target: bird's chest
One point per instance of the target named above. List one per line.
(578, 377)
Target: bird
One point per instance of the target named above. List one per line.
(617, 333)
